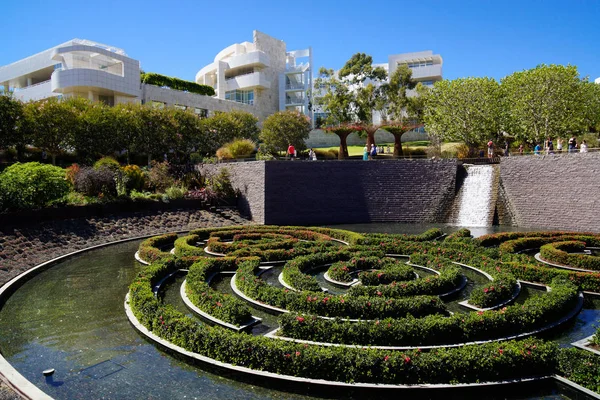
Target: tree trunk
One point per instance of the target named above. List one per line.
(149, 160)
(343, 152)
(53, 159)
(398, 145)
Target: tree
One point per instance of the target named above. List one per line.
(397, 130)
(157, 132)
(53, 123)
(397, 93)
(127, 127)
(333, 97)
(223, 127)
(368, 93)
(189, 135)
(285, 127)
(466, 109)
(93, 135)
(342, 131)
(11, 116)
(544, 102)
(590, 97)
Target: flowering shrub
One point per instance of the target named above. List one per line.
(480, 363)
(461, 234)
(220, 305)
(150, 250)
(580, 366)
(560, 253)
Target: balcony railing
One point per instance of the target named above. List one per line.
(299, 100)
(16, 90)
(292, 86)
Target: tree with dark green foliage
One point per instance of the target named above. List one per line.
(224, 127)
(545, 101)
(127, 127)
(157, 132)
(11, 117)
(53, 123)
(469, 110)
(93, 135)
(285, 127)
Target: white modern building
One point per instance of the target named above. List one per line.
(263, 74)
(76, 68)
(259, 77)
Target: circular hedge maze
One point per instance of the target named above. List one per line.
(385, 310)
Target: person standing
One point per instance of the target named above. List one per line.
(559, 145)
(366, 153)
(490, 146)
(312, 156)
(549, 146)
(291, 151)
(521, 149)
(583, 148)
(506, 148)
(537, 149)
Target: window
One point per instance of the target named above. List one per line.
(180, 107)
(157, 104)
(240, 96)
(201, 112)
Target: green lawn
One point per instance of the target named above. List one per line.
(407, 146)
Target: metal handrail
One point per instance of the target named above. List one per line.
(30, 86)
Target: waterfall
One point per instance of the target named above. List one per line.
(475, 202)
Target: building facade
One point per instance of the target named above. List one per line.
(259, 77)
(79, 68)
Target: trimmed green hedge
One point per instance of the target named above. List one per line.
(559, 252)
(581, 367)
(497, 238)
(462, 234)
(375, 238)
(152, 78)
(185, 248)
(220, 305)
(328, 305)
(516, 245)
(481, 363)
(535, 313)
(385, 270)
(150, 249)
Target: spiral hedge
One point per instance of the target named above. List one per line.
(395, 306)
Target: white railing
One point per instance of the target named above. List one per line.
(16, 90)
(299, 100)
(295, 86)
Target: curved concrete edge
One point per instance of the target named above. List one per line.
(172, 251)
(338, 283)
(584, 343)
(196, 310)
(514, 295)
(475, 269)
(212, 253)
(139, 259)
(588, 393)
(457, 289)
(340, 241)
(156, 288)
(321, 382)
(573, 313)
(539, 258)
(7, 372)
(285, 284)
(256, 303)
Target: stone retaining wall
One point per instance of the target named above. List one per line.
(552, 191)
(22, 247)
(336, 192)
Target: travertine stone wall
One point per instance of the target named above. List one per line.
(553, 191)
(267, 101)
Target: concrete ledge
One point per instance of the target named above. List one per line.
(139, 259)
(586, 392)
(256, 303)
(214, 320)
(539, 258)
(295, 379)
(506, 302)
(584, 345)
(339, 283)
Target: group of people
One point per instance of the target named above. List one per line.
(548, 147)
(370, 154)
(292, 153)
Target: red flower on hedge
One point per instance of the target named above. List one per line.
(406, 359)
(300, 319)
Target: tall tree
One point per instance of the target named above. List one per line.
(366, 83)
(11, 117)
(157, 132)
(93, 135)
(224, 127)
(544, 102)
(53, 123)
(127, 126)
(590, 96)
(285, 127)
(397, 91)
(466, 109)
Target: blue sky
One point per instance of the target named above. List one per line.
(179, 37)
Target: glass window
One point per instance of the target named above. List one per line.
(240, 96)
(201, 112)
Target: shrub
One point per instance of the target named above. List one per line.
(159, 178)
(559, 252)
(580, 366)
(71, 172)
(328, 154)
(108, 162)
(175, 192)
(92, 182)
(221, 185)
(240, 148)
(134, 177)
(32, 185)
(141, 196)
(176, 84)
(76, 199)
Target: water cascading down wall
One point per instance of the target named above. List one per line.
(559, 191)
